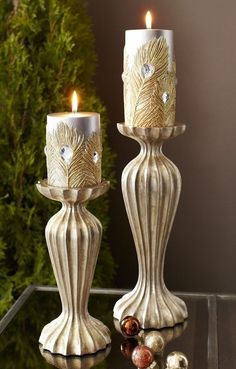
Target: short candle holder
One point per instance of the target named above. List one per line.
(151, 186)
(73, 238)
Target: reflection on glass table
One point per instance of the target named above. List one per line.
(203, 339)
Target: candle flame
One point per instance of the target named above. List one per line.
(148, 20)
(75, 102)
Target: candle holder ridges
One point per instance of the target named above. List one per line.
(73, 238)
(75, 362)
(151, 186)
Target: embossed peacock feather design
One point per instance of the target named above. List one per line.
(72, 160)
(149, 86)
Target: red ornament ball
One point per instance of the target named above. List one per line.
(130, 326)
(142, 357)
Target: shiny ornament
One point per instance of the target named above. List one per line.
(130, 326)
(154, 341)
(128, 346)
(176, 360)
(142, 357)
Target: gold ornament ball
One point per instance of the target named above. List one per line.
(154, 341)
(176, 360)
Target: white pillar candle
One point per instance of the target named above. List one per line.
(149, 77)
(136, 38)
(73, 149)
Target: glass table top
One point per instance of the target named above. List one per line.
(207, 338)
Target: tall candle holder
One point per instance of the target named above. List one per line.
(151, 186)
(73, 238)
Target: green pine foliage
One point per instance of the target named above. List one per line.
(46, 51)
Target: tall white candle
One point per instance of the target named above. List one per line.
(149, 77)
(73, 149)
(136, 38)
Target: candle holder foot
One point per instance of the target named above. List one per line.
(75, 362)
(74, 335)
(153, 309)
(151, 186)
(73, 238)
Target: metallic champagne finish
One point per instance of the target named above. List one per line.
(175, 360)
(75, 362)
(155, 341)
(151, 186)
(73, 238)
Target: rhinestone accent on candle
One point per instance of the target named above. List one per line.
(147, 70)
(66, 153)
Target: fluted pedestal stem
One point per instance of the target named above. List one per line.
(73, 238)
(151, 186)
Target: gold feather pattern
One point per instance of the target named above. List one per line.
(145, 82)
(76, 168)
(90, 173)
(168, 84)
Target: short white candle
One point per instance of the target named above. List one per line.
(73, 148)
(85, 123)
(149, 82)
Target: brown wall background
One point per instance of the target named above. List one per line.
(201, 254)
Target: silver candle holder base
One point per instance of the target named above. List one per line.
(151, 186)
(73, 238)
(75, 362)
